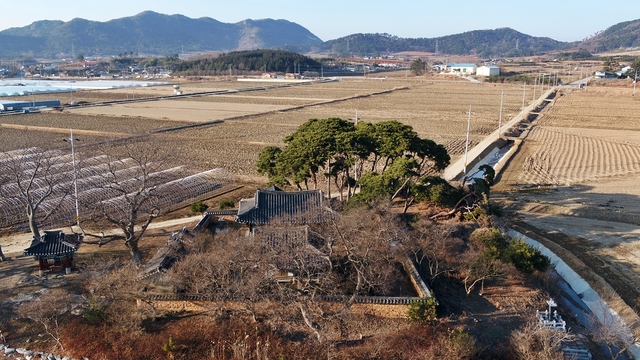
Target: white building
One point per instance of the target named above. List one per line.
(490, 70)
(463, 69)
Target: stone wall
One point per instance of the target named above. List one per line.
(390, 311)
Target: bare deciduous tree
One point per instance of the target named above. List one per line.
(433, 245)
(31, 179)
(478, 267)
(351, 256)
(47, 311)
(608, 328)
(134, 203)
(113, 293)
(536, 342)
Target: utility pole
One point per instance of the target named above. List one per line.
(635, 81)
(500, 121)
(524, 91)
(466, 147)
(75, 175)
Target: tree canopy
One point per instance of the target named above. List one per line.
(382, 158)
(252, 60)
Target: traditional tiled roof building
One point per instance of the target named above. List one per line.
(274, 206)
(53, 246)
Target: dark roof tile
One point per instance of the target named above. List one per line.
(51, 244)
(280, 207)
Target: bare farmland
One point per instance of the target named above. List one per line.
(436, 109)
(576, 178)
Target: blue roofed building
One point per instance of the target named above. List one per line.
(463, 69)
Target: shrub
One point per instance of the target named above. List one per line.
(95, 313)
(226, 204)
(423, 310)
(494, 243)
(441, 192)
(198, 207)
(525, 257)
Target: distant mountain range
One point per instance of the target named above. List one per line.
(148, 33)
(620, 36)
(485, 43)
(151, 33)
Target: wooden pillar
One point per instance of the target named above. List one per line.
(41, 266)
(67, 264)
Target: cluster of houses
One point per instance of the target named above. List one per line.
(468, 69)
(621, 74)
(289, 75)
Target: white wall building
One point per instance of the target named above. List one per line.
(463, 69)
(490, 70)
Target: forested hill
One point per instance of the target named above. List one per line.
(620, 36)
(148, 33)
(248, 61)
(499, 42)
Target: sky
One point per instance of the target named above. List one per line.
(564, 20)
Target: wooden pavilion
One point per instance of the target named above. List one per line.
(52, 246)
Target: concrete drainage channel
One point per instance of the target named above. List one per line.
(589, 297)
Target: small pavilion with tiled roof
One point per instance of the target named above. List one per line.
(52, 246)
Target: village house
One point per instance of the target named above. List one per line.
(462, 69)
(490, 70)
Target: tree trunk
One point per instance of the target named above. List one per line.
(136, 255)
(348, 185)
(33, 224)
(309, 322)
(315, 180)
(388, 161)
(328, 179)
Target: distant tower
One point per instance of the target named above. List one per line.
(73, 51)
(517, 44)
(436, 46)
(347, 46)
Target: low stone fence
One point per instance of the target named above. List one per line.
(418, 282)
(380, 306)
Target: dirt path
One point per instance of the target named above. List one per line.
(15, 244)
(61, 131)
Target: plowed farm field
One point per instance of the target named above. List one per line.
(437, 109)
(576, 178)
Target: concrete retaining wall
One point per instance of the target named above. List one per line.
(455, 170)
(590, 297)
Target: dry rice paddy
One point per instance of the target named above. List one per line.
(436, 109)
(577, 174)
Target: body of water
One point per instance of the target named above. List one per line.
(21, 87)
